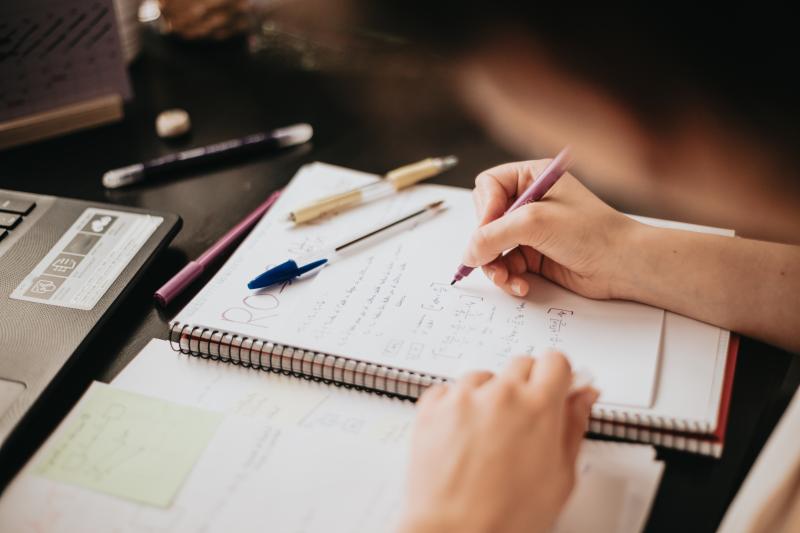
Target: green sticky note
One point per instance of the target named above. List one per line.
(128, 445)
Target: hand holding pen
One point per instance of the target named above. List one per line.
(570, 237)
(535, 191)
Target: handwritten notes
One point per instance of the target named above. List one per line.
(228, 304)
(393, 304)
(128, 445)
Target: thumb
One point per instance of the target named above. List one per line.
(527, 225)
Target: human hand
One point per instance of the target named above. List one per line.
(570, 236)
(496, 453)
(205, 19)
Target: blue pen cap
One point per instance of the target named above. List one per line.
(283, 272)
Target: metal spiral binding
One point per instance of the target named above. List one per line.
(694, 444)
(352, 374)
(264, 355)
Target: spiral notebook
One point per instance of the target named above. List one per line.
(385, 318)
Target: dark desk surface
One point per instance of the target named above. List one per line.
(369, 120)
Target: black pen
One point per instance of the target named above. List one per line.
(276, 139)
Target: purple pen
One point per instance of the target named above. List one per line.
(171, 289)
(551, 174)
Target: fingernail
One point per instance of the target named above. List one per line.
(490, 273)
(516, 288)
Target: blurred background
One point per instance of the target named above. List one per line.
(237, 67)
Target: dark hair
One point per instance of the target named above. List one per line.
(739, 64)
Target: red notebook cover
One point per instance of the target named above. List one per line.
(706, 444)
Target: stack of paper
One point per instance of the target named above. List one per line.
(259, 451)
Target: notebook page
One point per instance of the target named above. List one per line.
(693, 361)
(227, 304)
(293, 455)
(392, 303)
(693, 354)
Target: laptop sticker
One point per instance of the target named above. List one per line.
(87, 259)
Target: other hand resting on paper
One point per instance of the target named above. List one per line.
(496, 453)
(570, 237)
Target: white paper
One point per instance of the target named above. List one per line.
(391, 303)
(227, 304)
(770, 473)
(290, 455)
(293, 455)
(617, 485)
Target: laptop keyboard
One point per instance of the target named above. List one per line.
(12, 211)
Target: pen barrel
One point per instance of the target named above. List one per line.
(326, 205)
(408, 175)
(212, 153)
(171, 289)
(394, 181)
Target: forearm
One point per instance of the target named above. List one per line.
(752, 287)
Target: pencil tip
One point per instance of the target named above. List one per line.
(453, 282)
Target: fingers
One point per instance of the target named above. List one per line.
(533, 259)
(433, 393)
(519, 369)
(475, 379)
(579, 408)
(496, 271)
(552, 378)
(529, 225)
(515, 283)
(490, 199)
(508, 271)
(515, 261)
(494, 188)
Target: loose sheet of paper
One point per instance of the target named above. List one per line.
(391, 303)
(293, 455)
(616, 486)
(290, 455)
(129, 445)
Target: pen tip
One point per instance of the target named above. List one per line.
(453, 282)
(449, 162)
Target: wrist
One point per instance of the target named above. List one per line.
(636, 275)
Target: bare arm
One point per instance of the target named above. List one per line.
(748, 286)
(572, 238)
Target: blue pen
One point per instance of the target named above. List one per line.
(294, 268)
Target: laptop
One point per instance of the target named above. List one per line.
(64, 266)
